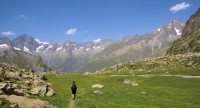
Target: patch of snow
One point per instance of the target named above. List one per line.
(37, 49)
(64, 50)
(159, 29)
(41, 42)
(88, 49)
(170, 36)
(67, 44)
(81, 47)
(49, 47)
(75, 49)
(59, 48)
(74, 44)
(3, 46)
(26, 49)
(177, 31)
(94, 46)
(15, 48)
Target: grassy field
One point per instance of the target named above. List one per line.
(162, 91)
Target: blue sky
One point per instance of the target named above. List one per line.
(88, 20)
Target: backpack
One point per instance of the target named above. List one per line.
(73, 87)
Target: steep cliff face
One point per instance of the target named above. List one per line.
(24, 60)
(190, 38)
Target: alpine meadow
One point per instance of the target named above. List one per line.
(159, 67)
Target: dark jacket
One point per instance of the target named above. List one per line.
(75, 85)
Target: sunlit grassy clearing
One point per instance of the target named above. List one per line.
(161, 91)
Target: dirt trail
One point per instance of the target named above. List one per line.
(72, 101)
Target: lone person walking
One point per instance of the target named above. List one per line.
(73, 89)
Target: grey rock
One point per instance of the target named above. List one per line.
(134, 84)
(98, 92)
(1, 102)
(97, 86)
(127, 81)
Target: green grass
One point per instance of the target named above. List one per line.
(161, 91)
(182, 45)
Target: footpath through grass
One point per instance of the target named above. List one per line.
(162, 91)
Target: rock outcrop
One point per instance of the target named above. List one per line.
(23, 83)
(190, 38)
(24, 102)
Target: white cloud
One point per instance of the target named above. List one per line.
(97, 40)
(85, 32)
(179, 7)
(8, 33)
(71, 31)
(85, 39)
(20, 16)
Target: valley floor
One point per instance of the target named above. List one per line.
(161, 91)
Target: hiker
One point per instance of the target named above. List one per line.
(73, 89)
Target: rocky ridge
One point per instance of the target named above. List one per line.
(163, 65)
(19, 82)
(23, 60)
(190, 38)
(69, 56)
(136, 47)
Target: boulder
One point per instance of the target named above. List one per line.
(19, 92)
(23, 86)
(51, 92)
(144, 93)
(13, 106)
(35, 90)
(127, 81)
(97, 86)
(13, 74)
(133, 75)
(27, 82)
(4, 96)
(134, 84)
(189, 64)
(39, 83)
(131, 65)
(140, 69)
(3, 86)
(1, 71)
(41, 91)
(148, 72)
(9, 90)
(24, 102)
(98, 92)
(1, 92)
(1, 102)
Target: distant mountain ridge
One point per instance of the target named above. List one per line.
(136, 47)
(69, 56)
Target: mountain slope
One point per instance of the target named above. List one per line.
(24, 60)
(190, 38)
(137, 47)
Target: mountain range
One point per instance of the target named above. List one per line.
(78, 58)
